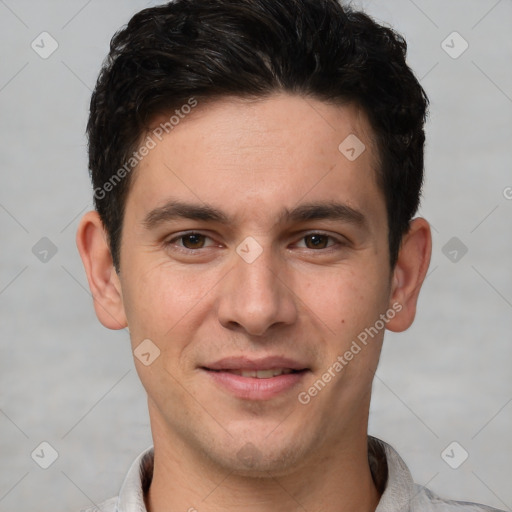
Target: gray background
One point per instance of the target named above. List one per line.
(68, 381)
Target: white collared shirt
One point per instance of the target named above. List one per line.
(400, 493)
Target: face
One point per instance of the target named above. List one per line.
(254, 255)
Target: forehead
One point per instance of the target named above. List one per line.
(254, 157)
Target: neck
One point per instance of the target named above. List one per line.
(336, 481)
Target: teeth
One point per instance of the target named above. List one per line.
(262, 374)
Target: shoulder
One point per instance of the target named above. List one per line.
(427, 501)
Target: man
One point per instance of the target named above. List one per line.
(256, 168)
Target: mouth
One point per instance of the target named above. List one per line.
(251, 379)
(260, 374)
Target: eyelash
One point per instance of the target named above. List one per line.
(337, 242)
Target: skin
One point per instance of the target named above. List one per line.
(251, 160)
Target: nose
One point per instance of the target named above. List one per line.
(254, 297)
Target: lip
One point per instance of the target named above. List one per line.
(252, 388)
(245, 363)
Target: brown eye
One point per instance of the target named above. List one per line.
(316, 241)
(193, 241)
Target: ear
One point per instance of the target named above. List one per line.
(91, 240)
(409, 273)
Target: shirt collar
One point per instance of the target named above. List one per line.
(388, 470)
(136, 483)
(399, 487)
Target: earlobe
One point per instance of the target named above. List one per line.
(104, 284)
(409, 273)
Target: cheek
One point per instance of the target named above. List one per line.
(347, 300)
(161, 299)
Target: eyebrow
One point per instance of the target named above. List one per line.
(174, 210)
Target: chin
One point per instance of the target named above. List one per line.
(260, 458)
